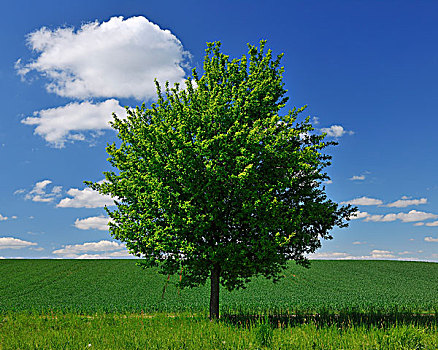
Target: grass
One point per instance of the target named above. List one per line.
(113, 304)
(185, 331)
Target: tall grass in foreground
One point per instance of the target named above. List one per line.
(186, 331)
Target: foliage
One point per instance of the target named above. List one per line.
(214, 182)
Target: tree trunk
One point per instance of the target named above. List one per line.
(214, 291)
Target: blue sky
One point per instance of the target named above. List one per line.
(367, 70)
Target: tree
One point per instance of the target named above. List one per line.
(211, 180)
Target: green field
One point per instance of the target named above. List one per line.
(87, 286)
(114, 304)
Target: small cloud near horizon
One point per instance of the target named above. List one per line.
(357, 178)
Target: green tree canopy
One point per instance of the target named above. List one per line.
(213, 181)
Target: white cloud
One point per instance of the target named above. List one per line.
(102, 246)
(358, 242)
(94, 222)
(62, 124)
(358, 215)
(382, 218)
(363, 201)
(376, 254)
(4, 218)
(415, 215)
(430, 239)
(98, 250)
(14, 243)
(90, 256)
(39, 249)
(381, 254)
(117, 58)
(404, 202)
(404, 253)
(357, 178)
(86, 198)
(39, 192)
(328, 182)
(419, 224)
(411, 216)
(336, 131)
(119, 254)
(434, 223)
(409, 258)
(329, 255)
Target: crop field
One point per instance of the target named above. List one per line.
(114, 304)
(87, 286)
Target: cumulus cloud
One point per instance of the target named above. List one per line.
(430, 239)
(375, 254)
(363, 201)
(66, 123)
(78, 249)
(14, 243)
(381, 254)
(117, 58)
(94, 250)
(329, 255)
(40, 192)
(120, 254)
(336, 131)
(94, 222)
(377, 218)
(358, 215)
(404, 202)
(433, 223)
(411, 216)
(86, 198)
(415, 215)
